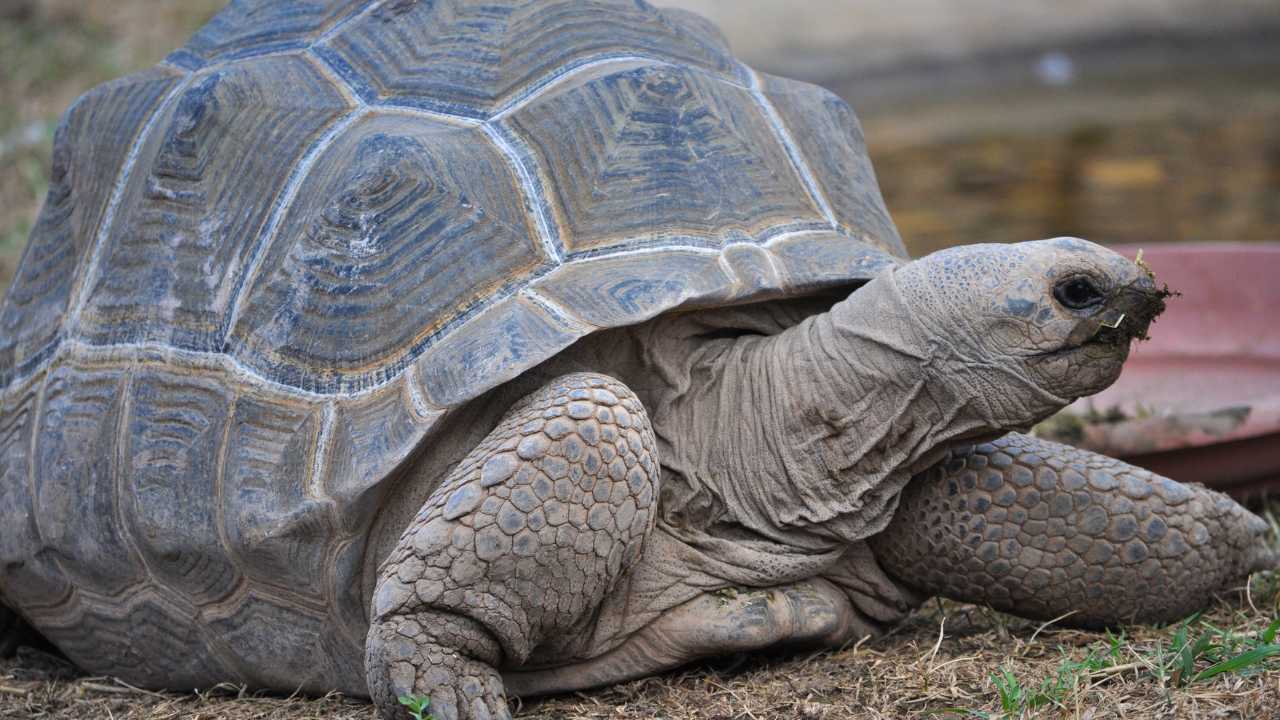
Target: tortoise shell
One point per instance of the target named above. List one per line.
(269, 265)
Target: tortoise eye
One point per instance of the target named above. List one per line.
(1078, 293)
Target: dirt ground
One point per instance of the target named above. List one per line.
(950, 660)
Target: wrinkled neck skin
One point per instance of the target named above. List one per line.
(806, 437)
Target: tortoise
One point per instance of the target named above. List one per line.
(457, 349)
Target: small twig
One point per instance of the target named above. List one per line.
(1248, 594)
(937, 645)
(1119, 668)
(14, 690)
(1105, 673)
(97, 687)
(134, 688)
(953, 661)
(1047, 623)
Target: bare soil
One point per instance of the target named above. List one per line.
(942, 663)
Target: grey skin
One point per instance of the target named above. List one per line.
(837, 473)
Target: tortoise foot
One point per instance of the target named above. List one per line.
(444, 659)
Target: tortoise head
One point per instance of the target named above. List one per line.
(1053, 315)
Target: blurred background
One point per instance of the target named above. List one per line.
(1137, 122)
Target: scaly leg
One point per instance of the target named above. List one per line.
(1040, 529)
(516, 548)
(808, 614)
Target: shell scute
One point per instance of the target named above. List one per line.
(278, 642)
(659, 152)
(499, 343)
(471, 59)
(275, 529)
(90, 145)
(28, 579)
(75, 480)
(400, 212)
(202, 192)
(830, 139)
(255, 27)
(611, 291)
(811, 261)
(370, 437)
(143, 634)
(175, 427)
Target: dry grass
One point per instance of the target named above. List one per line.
(915, 672)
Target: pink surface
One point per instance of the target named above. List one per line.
(1210, 375)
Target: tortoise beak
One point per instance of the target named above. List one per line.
(1135, 307)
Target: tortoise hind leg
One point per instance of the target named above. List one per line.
(515, 550)
(1041, 530)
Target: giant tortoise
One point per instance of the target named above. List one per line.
(464, 349)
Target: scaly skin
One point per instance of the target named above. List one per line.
(812, 613)
(1040, 530)
(515, 549)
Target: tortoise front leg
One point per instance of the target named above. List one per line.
(1040, 529)
(515, 550)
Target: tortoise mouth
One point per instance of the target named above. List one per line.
(1128, 317)
(1101, 347)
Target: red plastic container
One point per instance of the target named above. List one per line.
(1200, 401)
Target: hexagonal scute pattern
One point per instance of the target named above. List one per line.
(138, 636)
(175, 429)
(469, 59)
(268, 266)
(75, 471)
(399, 212)
(661, 154)
(200, 196)
(256, 27)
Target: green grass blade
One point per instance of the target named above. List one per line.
(1239, 662)
(1269, 635)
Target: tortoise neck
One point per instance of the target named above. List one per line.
(809, 435)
